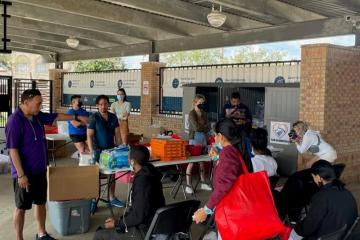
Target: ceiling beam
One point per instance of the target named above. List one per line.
(36, 47)
(129, 50)
(271, 11)
(286, 32)
(57, 38)
(180, 10)
(38, 42)
(82, 22)
(40, 26)
(118, 14)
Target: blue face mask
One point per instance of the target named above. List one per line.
(131, 168)
(120, 97)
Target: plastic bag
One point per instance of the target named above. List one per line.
(248, 211)
(115, 158)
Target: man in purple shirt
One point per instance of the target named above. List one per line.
(25, 139)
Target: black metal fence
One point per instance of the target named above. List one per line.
(5, 99)
(44, 86)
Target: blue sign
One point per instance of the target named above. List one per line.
(175, 83)
(219, 80)
(280, 80)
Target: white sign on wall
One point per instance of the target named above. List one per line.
(146, 88)
(279, 132)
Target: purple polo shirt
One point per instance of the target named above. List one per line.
(28, 137)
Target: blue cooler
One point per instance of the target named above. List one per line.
(70, 217)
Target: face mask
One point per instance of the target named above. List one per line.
(215, 158)
(201, 106)
(131, 168)
(218, 147)
(120, 97)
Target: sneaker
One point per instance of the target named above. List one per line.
(93, 206)
(205, 187)
(117, 203)
(45, 237)
(189, 190)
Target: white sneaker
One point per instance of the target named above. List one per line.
(189, 190)
(205, 187)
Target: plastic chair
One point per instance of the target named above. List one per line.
(172, 219)
(354, 232)
(337, 235)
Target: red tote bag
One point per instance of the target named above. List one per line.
(248, 211)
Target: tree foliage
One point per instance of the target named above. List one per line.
(98, 65)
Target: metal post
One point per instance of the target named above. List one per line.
(357, 38)
(153, 57)
(5, 16)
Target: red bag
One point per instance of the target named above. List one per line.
(248, 211)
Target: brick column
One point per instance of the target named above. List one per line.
(149, 103)
(55, 76)
(329, 98)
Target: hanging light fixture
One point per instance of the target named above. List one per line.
(216, 18)
(72, 42)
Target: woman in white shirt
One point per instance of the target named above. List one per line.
(309, 140)
(261, 161)
(122, 110)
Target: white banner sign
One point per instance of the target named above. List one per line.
(175, 78)
(279, 132)
(96, 83)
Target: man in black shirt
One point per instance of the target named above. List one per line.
(330, 209)
(146, 196)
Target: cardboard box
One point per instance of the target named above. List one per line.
(72, 183)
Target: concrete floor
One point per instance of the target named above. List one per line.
(7, 205)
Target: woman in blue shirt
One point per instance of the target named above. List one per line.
(77, 129)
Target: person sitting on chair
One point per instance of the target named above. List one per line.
(146, 196)
(330, 209)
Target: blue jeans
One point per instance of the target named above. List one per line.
(199, 139)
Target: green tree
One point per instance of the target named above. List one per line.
(6, 61)
(195, 57)
(252, 54)
(98, 65)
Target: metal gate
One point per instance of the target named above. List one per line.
(44, 86)
(5, 99)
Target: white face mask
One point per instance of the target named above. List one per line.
(120, 97)
(131, 167)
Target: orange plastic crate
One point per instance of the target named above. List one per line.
(168, 149)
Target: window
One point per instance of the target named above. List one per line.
(41, 68)
(22, 64)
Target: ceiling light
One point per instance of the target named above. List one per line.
(216, 18)
(72, 42)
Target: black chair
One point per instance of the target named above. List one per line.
(337, 235)
(339, 169)
(354, 232)
(173, 218)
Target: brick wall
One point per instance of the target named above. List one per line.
(55, 76)
(329, 91)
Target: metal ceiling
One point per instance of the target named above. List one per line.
(109, 28)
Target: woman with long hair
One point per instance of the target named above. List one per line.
(122, 110)
(198, 129)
